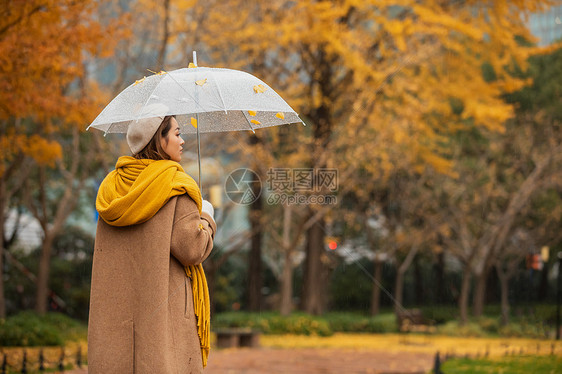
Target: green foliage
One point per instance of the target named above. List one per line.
(545, 91)
(439, 314)
(27, 329)
(350, 288)
(296, 324)
(523, 329)
(454, 328)
(352, 322)
(512, 365)
(491, 326)
(488, 324)
(273, 323)
(303, 324)
(443, 318)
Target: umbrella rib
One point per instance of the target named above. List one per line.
(146, 101)
(220, 92)
(247, 120)
(109, 128)
(184, 90)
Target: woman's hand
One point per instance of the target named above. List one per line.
(207, 207)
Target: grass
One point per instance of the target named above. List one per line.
(511, 365)
(458, 346)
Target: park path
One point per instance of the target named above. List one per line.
(316, 361)
(312, 361)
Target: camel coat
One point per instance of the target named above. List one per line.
(141, 303)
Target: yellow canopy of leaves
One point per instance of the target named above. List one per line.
(395, 76)
(44, 47)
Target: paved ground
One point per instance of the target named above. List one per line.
(312, 361)
(315, 360)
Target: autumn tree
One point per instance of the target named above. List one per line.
(376, 82)
(44, 88)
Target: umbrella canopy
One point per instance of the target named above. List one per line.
(202, 99)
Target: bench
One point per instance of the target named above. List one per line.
(237, 337)
(413, 320)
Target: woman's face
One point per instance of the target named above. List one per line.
(172, 144)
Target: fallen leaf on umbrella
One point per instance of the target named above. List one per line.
(260, 88)
(139, 81)
(162, 72)
(255, 122)
(252, 113)
(193, 122)
(280, 115)
(201, 82)
(191, 65)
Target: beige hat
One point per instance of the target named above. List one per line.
(140, 131)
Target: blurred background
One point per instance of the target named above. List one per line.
(441, 119)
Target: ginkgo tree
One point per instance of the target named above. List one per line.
(377, 81)
(44, 91)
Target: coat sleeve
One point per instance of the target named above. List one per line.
(192, 233)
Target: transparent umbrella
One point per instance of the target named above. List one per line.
(202, 99)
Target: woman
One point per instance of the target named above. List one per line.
(155, 231)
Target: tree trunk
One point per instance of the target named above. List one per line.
(399, 284)
(504, 286)
(480, 292)
(439, 285)
(418, 283)
(543, 285)
(313, 287)
(313, 295)
(255, 281)
(42, 297)
(464, 294)
(376, 295)
(287, 286)
(398, 290)
(287, 274)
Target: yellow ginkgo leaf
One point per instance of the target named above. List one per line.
(280, 115)
(252, 113)
(162, 72)
(260, 88)
(255, 122)
(191, 65)
(201, 82)
(193, 122)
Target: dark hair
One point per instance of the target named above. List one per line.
(153, 149)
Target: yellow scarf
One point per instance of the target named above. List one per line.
(133, 193)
